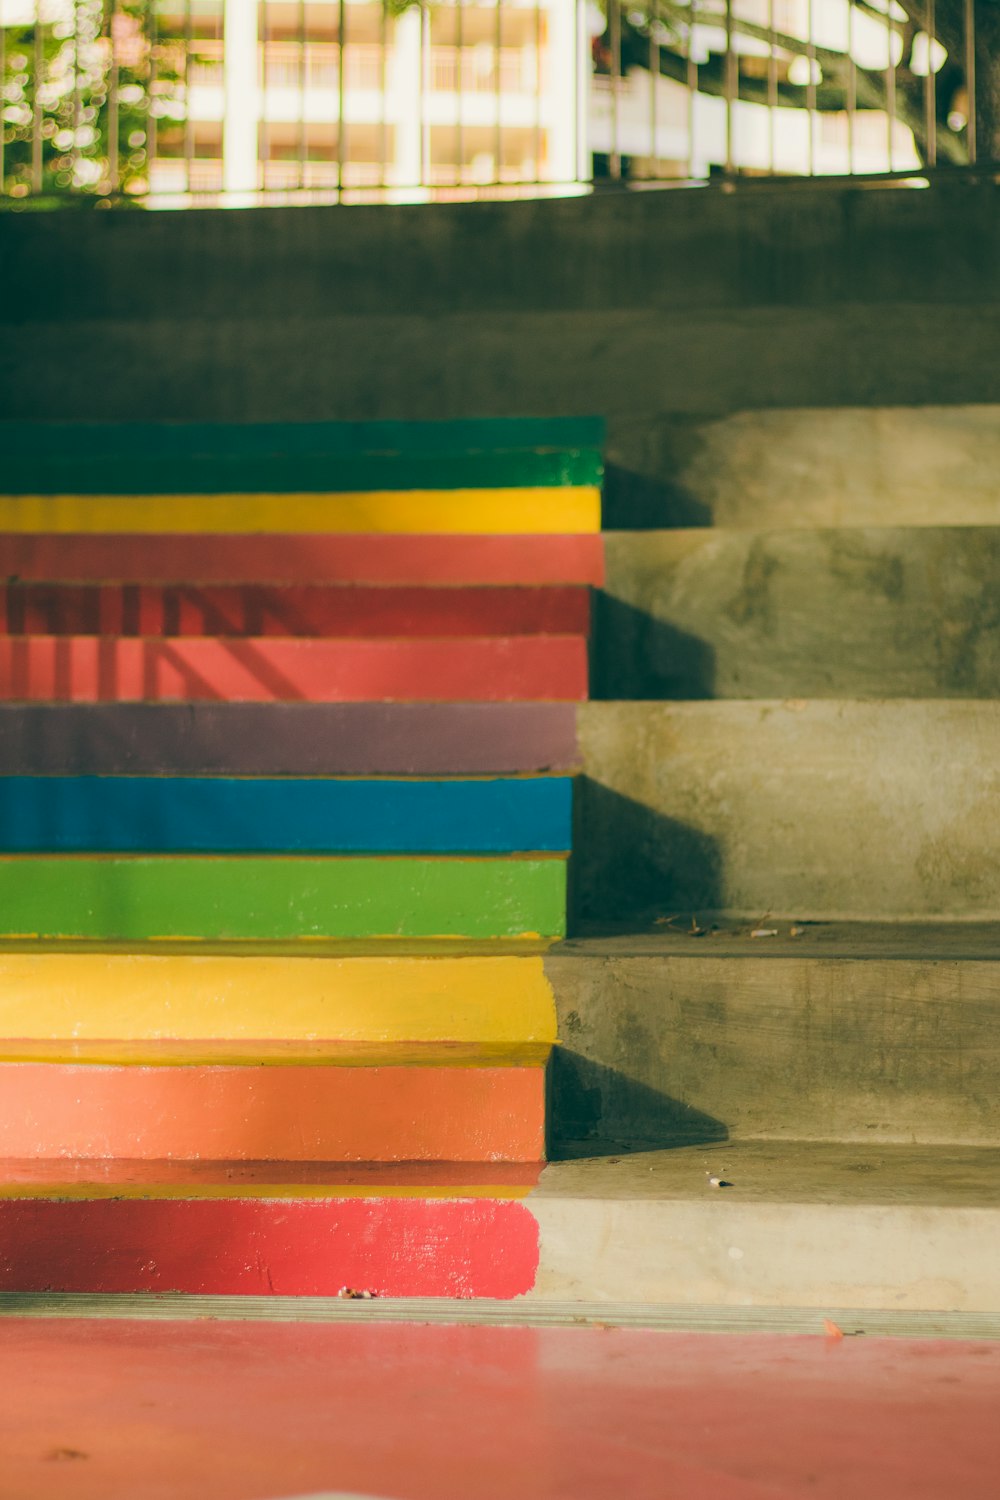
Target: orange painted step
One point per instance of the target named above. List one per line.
(261, 610)
(276, 1110)
(88, 669)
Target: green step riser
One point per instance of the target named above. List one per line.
(280, 898)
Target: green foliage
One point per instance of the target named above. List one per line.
(78, 97)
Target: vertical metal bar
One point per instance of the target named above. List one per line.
(383, 124)
(459, 77)
(581, 81)
(930, 92)
(341, 112)
(303, 84)
(890, 87)
(691, 75)
(970, 80)
(538, 90)
(811, 86)
(654, 78)
(772, 87)
(3, 74)
(77, 94)
(497, 138)
(422, 91)
(852, 88)
(615, 39)
(731, 83)
(113, 164)
(263, 132)
(36, 108)
(188, 121)
(152, 41)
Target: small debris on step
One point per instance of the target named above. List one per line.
(759, 932)
(717, 1182)
(796, 931)
(831, 1329)
(351, 1294)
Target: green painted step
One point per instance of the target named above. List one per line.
(207, 458)
(279, 898)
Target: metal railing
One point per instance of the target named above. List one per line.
(172, 102)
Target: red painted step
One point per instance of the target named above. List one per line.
(395, 1246)
(302, 610)
(303, 559)
(87, 669)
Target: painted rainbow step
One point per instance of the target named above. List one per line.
(487, 993)
(477, 669)
(259, 1101)
(253, 898)
(245, 1229)
(286, 739)
(215, 814)
(310, 610)
(431, 561)
(198, 457)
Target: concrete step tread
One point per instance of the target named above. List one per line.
(716, 935)
(168, 1052)
(831, 1173)
(505, 1313)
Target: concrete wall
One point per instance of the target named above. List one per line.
(652, 308)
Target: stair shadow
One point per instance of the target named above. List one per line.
(593, 1110)
(635, 656)
(631, 864)
(636, 502)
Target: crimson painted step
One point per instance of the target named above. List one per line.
(480, 669)
(422, 561)
(286, 739)
(279, 897)
(320, 1102)
(395, 1246)
(305, 610)
(216, 814)
(203, 458)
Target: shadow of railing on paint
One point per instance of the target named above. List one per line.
(594, 1110)
(631, 865)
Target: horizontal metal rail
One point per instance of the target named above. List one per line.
(175, 102)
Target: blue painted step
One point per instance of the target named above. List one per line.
(221, 814)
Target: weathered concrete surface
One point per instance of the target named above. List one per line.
(638, 307)
(671, 1039)
(803, 1225)
(923, 466)
(907, 612)
(837, 809)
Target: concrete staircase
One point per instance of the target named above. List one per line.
(783, 974)
(787, 968)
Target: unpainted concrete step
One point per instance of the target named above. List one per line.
(836, 809)
(696, 1033)
(825, 466)
(803, 1224)
(900, 612)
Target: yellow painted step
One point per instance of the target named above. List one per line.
(79, 995)
(520, 511)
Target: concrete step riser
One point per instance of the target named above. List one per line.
(831, 466)
(895, 612)
(667, 1050)
(805, 809)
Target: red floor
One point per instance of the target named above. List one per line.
(254, 1411)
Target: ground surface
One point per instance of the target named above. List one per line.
(125, 1409)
